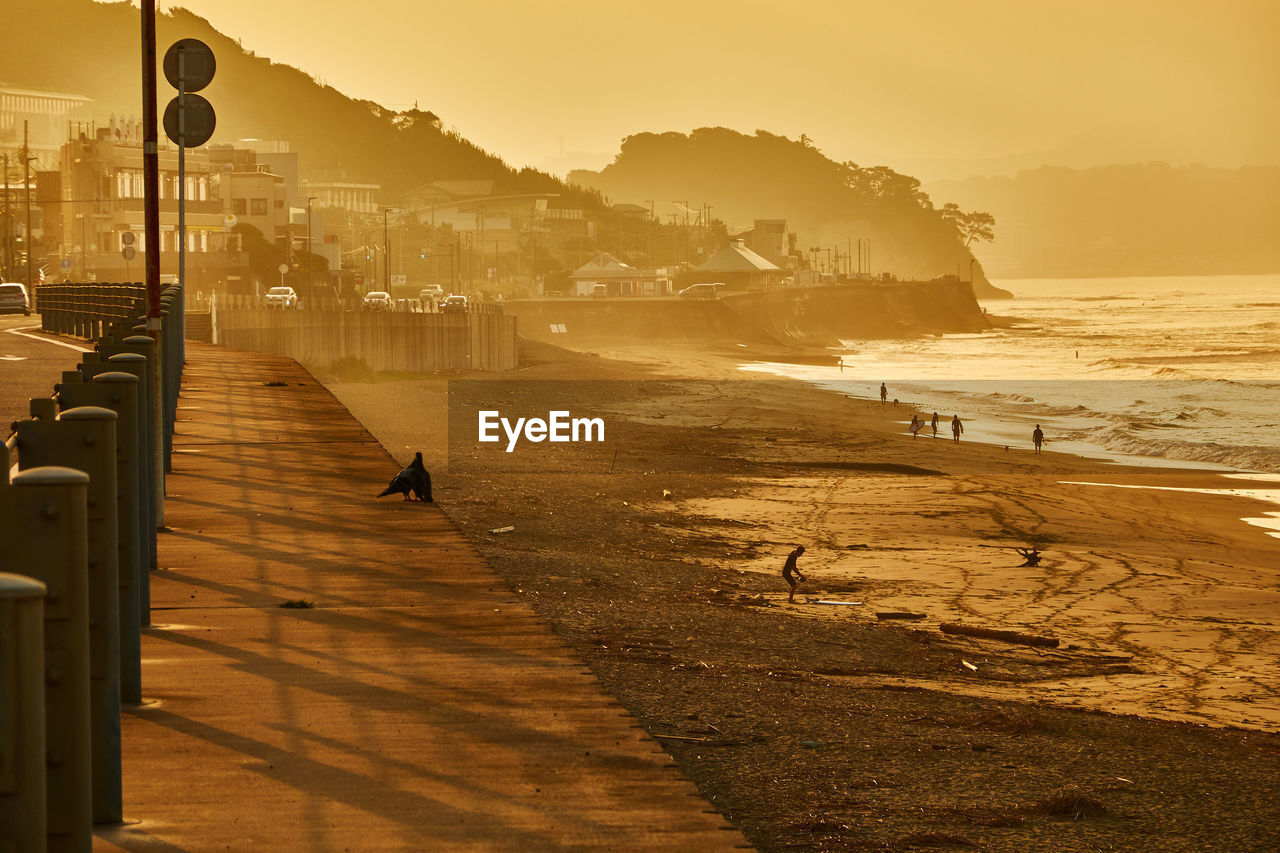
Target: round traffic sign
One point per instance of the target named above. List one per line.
(199, 123)
(284, 268)
(197, 63)
(127, 238)
(129, 253)
(66, 263)
(229, 221)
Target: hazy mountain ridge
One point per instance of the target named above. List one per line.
(96, 53)
(1134, 219)
(830, 205)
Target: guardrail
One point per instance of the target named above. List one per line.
(78, 524)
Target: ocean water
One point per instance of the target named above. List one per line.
(1168, 371)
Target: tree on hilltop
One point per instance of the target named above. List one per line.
(970, 227)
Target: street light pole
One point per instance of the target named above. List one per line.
(386, 247)
(26, 191)
(310, 250)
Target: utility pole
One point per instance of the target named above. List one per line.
(151, 167)
(8, 225)
(26, 192)
(648, 235)
(386, 248)
(310, 250)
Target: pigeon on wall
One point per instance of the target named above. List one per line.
(413, 479)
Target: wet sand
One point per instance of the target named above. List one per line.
(1165, 603)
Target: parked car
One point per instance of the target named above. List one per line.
(702, 291)
(434, 292)
(376, 300)
(455, 304)
(282, 297)
(14, 299)
(600, 291)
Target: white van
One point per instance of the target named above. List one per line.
(14, 299)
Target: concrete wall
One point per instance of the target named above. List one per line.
(811, 316)
(383, 340)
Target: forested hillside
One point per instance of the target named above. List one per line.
(93, 49)
(766, 176)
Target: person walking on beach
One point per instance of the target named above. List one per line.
(884, 393)
(791, 572)
(1037, 437)
(957, 428)
(916, 426)
(934, 424)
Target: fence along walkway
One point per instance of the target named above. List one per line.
(417, 706)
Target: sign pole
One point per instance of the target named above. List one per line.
(151, 220)
(182, 165)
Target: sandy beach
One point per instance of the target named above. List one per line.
(821, 726)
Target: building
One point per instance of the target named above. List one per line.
(769, 239)
(47, 116)
(276, 157)
(740, 268)
(359, 199)
(619, 279)
(97, 198)
(500, 235)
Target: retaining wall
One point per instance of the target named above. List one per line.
(383, 340)
(812, 316)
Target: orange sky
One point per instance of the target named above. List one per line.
(937, 88)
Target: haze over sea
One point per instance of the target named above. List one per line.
(1181, 371)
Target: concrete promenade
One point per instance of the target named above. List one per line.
(417, 706)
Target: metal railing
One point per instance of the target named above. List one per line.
(78, 524)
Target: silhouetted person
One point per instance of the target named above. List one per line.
(934, 424)
(957, 428)
(1037, 437)
(791, 572)
(884, 392)
(916, 426)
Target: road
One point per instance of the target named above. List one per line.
(30, 365)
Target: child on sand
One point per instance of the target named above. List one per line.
(934, 424)
(1037, 437)
(788, 568)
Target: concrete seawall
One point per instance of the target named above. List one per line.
(396, 340)
(811, 316)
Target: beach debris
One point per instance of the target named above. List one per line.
(507, 529)
(1030, 555)
(997, 634)
(861, 546)
(666, 494)
(811, 744)
(899, 614)
(836, 603)
(295, 604)
(969, 666)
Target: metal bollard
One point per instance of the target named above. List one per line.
(49, 513)
(143, 346)
(157, 409)
(23, 815)
(118, 391)
(85, 439)
(133, 363)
